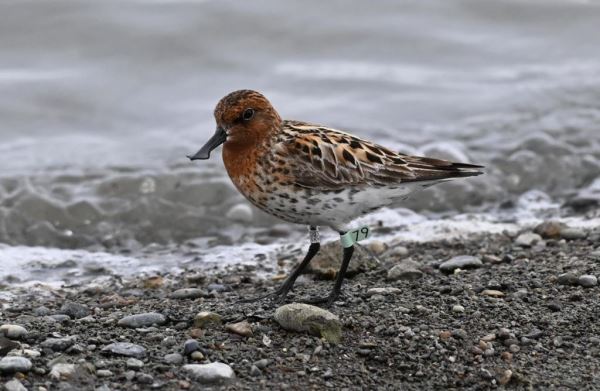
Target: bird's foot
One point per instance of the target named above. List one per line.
(326, 301)
(278, 296)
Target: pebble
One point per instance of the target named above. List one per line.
(213, 373)
(549, 229)
(188, 293)
(241, 328)
(397, 252)
(145, 378)
(205, 318)
(460, 262)
(197, 356)
(554, 306)
(13, 364)
(405, 270)
(59, 344)
(377, 246)
(62, 371)
(528, 239)
(505, 378)
(74, 310)
(459, 334)
(14, 385)
(103, 373)
(190, 346)
(13, 331)
(126, 349)
(173, 358)
(383, 291)
(492, 293)
(143, 320)
(60, 318)
(567, 279)
(262, 363)
(587, 281)
(573, 234)
(304, 317)
(6, 345)
(134, 363)
(241, 213)
(458, 308)
(255, 371)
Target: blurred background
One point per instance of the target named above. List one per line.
(100, 101)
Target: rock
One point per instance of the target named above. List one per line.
(188, 293)
(549, 229)
(254, 371)
(190, 346)
(60, 318)
(14, 364)
(397, 252)
(62, 371)
(554, 306)
(143, 320)
(205, 319)
(568, 279)
(262, 363)
(458, 309)
(213, 373)
(145, 378)
(6, 345)
(14, 385)
(218, 288)
(59, 344)
(573, 233)
(303, 317)
(197, 356)
(460, 262)
(528, 239)
(13, 331)
(103, 373)
(134, 363)
(173, 358)
(74, 310)
(126, 349)
(383, 291)
(241, 328)
(327, 262)
(595, 254)
(587, 281)
(241, 213)
(405, 270)
(377, 247)
(492, 293)
(505, 378)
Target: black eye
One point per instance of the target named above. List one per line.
(248, 114)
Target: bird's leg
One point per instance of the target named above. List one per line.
(339, 280)
(281, 292)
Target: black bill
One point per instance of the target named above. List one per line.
(217, 139)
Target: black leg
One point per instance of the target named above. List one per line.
(281, 292)
(339, 280)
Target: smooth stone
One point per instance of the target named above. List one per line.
(573, 234)
(103, 373)
(197, 356)
(59, 344)
(262, 363)
(143, 320)
(14, 385)
(492, 293)
(62, 371)
(60, 318)
(328, 261)
(190, 346)
(528, 239)
(241, 213)
(405, 270)
(145, 378)
(134, 363)
(255, 371)
(397, 252)
(458, 308)
(460, 262)
(377, 247)
(74, 310)
(213, 373)
(187, 293)
(6, 345)
(568, 279)
(241, 328)
(206, 318)
(12, 364)
(383, 291)
(218, 288)
(13, 331)
(549, 229)
(587, 281)
(173, 358)
(126, 349)
(304, 317)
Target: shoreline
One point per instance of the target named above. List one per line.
(520, 317)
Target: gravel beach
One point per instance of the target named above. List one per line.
(515, 311)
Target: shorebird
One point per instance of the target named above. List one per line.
(310, 174)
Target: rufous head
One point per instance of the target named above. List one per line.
(244, 118)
